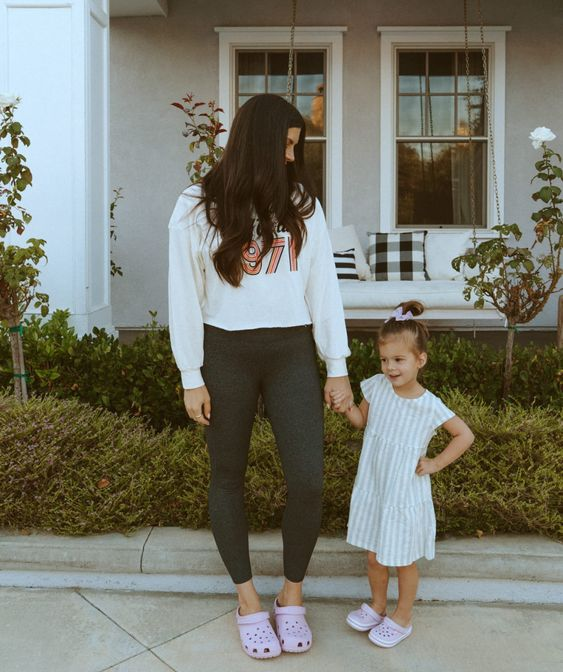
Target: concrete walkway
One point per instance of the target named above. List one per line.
(159, 600)
(99, 631)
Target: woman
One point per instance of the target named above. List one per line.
(253, 290)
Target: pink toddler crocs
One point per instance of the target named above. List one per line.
(388, 633)
(257, 636)
(364, 618)
(293, 631)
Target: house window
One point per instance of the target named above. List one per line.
(425, 166)
(266, 72)
(434, 168)
(254, 60)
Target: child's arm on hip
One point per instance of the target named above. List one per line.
(462, 438)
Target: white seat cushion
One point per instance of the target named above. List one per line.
(389, 293)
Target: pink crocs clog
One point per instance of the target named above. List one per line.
(364, 618)
(257, 636)
(388, 633)
(293, 631)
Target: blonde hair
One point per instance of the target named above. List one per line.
(415, 329)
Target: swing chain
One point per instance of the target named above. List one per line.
(290, 83)
(472, 207)
(488, 108)
(489, 116)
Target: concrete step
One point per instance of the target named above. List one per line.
(177, 551)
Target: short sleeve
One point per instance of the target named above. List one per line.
(440, 413)
(369, 386)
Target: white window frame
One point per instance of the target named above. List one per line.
(394, 38)
(326, 37)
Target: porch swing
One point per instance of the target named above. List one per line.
(368, 301)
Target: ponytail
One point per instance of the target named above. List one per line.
(399, 325)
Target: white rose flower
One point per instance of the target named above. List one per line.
(540, 135)
(8, 100)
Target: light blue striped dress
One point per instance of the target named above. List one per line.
(391, 512)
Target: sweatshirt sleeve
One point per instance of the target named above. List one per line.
(323, 298)
(186, 292)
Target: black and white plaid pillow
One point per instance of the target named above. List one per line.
(345, 263)
(396, 256)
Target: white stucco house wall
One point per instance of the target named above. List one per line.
(97, 78)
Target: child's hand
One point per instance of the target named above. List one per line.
(338, 402)
(426, 466)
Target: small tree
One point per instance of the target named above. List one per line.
(204, 128)
(114, 268)
(18, 265)
(518, 281)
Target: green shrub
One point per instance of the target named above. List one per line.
(456, 363)
(73, 469)
(142, 379)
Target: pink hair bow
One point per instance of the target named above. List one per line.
(400, 316)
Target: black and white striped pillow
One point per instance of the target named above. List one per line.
(396, 256)
(345, 263)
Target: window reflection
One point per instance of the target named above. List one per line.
(434, 183)
(441, 65)
(412, 72)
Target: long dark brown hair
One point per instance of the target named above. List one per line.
(252, 181)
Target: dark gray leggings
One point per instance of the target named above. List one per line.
(280, 364)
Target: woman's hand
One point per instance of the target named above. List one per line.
(198, 404)
(338, 388)
(338, 402)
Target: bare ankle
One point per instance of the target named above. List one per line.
(403, 618)
(247, 607)
(379, 607)
(290, 595)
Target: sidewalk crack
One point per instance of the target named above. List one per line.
(143, 550)
(125, 660)
(200, 625)
(146, 648)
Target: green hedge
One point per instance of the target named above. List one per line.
(142, 378)
(73, 469)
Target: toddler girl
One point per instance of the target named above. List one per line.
(391, 512)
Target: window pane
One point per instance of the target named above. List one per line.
(434, 184)
(252, 73)
(277, 71)
(315, 164)
(310, 71)
(242, 100)
(476, 76)
(411, 115)
(441, 115)
(412, 72)
(477, 110)
(312, 109)
(441, 66)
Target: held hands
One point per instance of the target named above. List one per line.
(338, 402)
(426, 466)
(338, 394)
(198, 404)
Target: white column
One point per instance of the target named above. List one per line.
(54, 55)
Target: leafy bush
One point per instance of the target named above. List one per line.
(473, 368)
(73, 469)
(142, 379)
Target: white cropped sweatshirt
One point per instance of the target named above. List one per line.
(281, 290)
